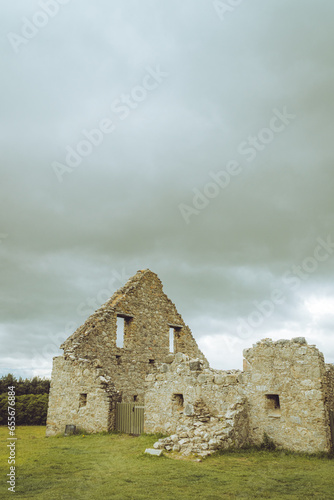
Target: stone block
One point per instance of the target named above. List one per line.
(189, 410)
(299, 340)
(202, 378)
(195, 365)
(180, 357)
(214, 444)
(158, 445)
(151, 451)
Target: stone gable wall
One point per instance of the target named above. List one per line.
(285, 390)
(148, 315)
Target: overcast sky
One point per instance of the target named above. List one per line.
(193, 138)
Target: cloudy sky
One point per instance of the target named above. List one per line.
(191, 138)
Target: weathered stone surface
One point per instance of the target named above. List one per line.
(152, 451)
(285, 390)
(195, 365)
(239, 409)
(189, 410)
(94, 365)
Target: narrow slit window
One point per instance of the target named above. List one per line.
(82, 400)
(120, 332)
(118, 359)
(171, 340)
(178, 398)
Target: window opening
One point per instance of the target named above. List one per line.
(273, 403)
(178, 398)
(120, 332)
(118, 359)
(82, 400)
(171, 339)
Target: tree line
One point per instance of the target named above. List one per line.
(35, 385)
(31, 400)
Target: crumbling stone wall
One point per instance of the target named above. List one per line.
(81, 395)
(148, 316)
(329, 386)
(285, 390)
(284, 383)
(203, 409)
(329, 400)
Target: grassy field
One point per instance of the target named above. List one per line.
(114, 466)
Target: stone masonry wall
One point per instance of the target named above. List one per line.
(79, 395)
(329, 383)
(285, 390)
(329, 407)
(281, 392)
(203, 409)
(148, 316)
(284, 383)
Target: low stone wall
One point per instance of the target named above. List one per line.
(80, 395)
(203, 409)
(284, 391)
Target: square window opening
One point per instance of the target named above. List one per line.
(273, 402)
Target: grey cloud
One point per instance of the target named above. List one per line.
(119, 209)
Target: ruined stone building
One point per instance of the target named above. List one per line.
(136, 349)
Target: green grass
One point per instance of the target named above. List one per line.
(113, 466)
